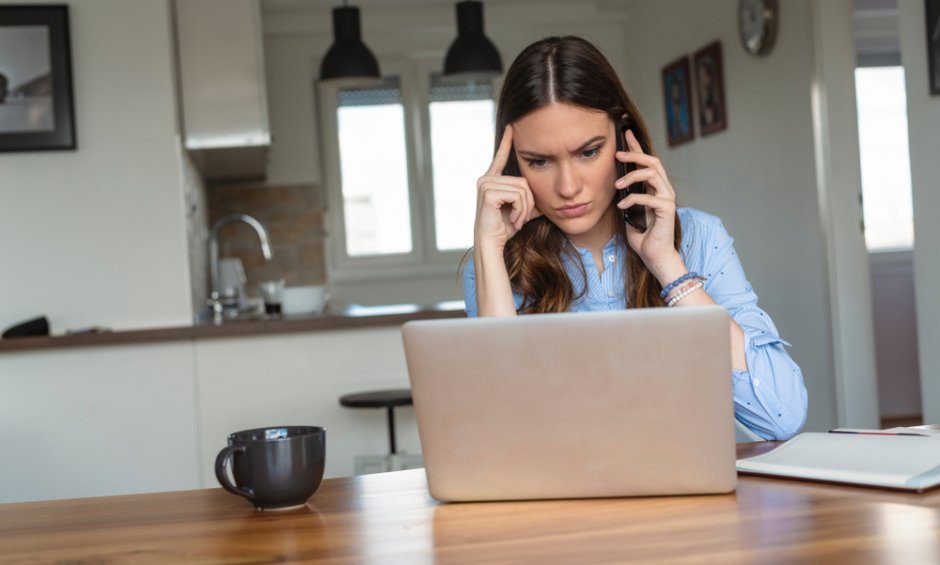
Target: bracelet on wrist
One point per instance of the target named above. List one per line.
(688, 276)
(682, 287)
(685, 292)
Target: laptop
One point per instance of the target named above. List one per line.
(574, 405)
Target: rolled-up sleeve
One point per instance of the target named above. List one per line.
(769, 397)
(470, 291)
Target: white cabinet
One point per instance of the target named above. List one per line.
(98, 421)
(222, 83)
(120, 419)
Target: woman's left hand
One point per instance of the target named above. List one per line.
(655, 246)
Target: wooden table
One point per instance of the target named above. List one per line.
(391, 518)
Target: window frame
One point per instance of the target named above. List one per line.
(414, 74)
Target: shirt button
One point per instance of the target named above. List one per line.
(612, 258)
(610, 294)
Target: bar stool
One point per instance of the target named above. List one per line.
(388, 399)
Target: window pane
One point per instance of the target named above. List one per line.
(885, 159)
(462, 129)
(374, 170)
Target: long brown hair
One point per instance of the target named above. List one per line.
(569, 70)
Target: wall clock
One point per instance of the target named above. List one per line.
(757, 25)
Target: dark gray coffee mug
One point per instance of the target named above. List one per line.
(274, 467)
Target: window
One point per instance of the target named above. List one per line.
(885, 159)
(374, 170)
(401, 158)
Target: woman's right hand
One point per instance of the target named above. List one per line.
(504, 203)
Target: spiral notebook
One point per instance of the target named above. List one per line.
(908, 462)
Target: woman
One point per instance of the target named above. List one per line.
(550, 234)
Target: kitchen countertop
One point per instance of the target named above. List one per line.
(351, 317)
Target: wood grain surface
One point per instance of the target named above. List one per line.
(390, 518)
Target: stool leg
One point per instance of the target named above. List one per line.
(391, 429)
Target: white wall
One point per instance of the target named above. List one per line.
(97, 235)
(923, 121)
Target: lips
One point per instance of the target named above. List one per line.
(574, 211)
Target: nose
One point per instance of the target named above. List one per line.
(568, 184)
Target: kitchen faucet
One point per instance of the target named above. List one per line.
(214, 244)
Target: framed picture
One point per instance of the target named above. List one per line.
(36, 110)
(677, 97)
(933, 44)
(710, 89)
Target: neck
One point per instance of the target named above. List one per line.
(597, 237)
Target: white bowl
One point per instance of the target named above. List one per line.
(303, 300)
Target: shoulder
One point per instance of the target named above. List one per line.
(699, 227)
(705, 241)
(692, 218)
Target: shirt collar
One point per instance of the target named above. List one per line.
(609, 247)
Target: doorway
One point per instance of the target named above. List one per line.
(888, 212)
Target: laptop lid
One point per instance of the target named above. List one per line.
(575, 405)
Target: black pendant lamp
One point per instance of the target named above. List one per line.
(348, 56)
(471, 53)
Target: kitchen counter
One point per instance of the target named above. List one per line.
(348, 318)
(190, 387)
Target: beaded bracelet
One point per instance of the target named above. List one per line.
(690, 275)
(675, 299)
(681, 288)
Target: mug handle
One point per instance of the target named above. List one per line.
(221, 462)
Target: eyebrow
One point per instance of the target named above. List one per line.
(585, 145)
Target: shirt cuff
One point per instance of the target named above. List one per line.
(758, 405)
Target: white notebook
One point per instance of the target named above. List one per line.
(899, 462)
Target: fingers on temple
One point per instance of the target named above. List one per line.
(502, 154)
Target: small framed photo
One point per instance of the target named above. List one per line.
(677, 97)
(36, 108)
(932, 10)
(710, 89)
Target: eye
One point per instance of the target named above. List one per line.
(536, 163)
(590, 153)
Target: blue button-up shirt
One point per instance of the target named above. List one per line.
(769, 398)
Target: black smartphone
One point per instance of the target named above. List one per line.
(634, 215)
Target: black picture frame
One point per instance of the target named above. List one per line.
(932, 11)
(677, 101)
(709, 72)
(36, 99)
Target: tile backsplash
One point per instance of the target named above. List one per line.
(294, 218)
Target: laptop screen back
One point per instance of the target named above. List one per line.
(574, 405)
